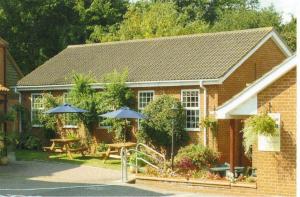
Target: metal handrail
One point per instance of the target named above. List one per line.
(142, 159)
(124, 152)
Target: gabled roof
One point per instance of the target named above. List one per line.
(207, 56)
(260, 84)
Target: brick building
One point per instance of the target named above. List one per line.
(9, 75)
(203, 71)
(276, 92)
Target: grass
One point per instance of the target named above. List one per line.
(28, 155)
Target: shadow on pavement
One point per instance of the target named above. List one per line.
(17, 186)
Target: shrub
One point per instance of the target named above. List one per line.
(157, 128)
(132, 159)
(201, 156)
(102, 147)
(32, 143)
(186, 164)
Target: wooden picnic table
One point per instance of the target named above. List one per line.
(64, 146)
(115, 148)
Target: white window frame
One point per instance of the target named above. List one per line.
(144, 91)
(68, 126)
(31, 109)
(140, 109)
(192, 108)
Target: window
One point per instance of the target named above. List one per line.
(191, 102)
(144, 98)
(70, 120)
(37, 107)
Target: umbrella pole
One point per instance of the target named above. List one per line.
(125, 130)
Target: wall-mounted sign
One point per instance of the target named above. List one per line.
(271, 143)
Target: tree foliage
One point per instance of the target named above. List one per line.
(247, 19)
(114, 96)
(85, 97)
(50, 121)
(37, 30)
(161, 119)
(289, 33)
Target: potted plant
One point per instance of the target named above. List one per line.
(261, 124)
(212, 125)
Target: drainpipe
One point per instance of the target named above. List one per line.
(205, 112)
(20, 116)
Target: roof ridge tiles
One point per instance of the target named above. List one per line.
(269, 29)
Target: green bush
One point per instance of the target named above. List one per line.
(102, 147)
(132, 159)
(201, 156)
(161, 119)
(32, 143)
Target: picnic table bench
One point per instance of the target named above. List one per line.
(64, 146)
(114, 149)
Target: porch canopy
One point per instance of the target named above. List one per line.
(245, 103)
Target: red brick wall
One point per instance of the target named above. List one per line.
(103, 136)
(276, 171)
(263, 60)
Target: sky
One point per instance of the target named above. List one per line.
(285, 7)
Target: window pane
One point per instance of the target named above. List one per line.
(192, 118)
(190, 101)
(144, 99)
(37, 108)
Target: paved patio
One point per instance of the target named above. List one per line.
(36, 178)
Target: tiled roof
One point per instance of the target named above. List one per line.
(190, 57)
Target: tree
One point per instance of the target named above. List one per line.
(289, 33)
(115, 92)
(161, 119)
(114, 96)
(38, 30)
(247, 19)
(85, 97)
(210, 11)
(150, 20)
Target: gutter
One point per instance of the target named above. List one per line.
(20, 102)
(129, 84)
(205, 112)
